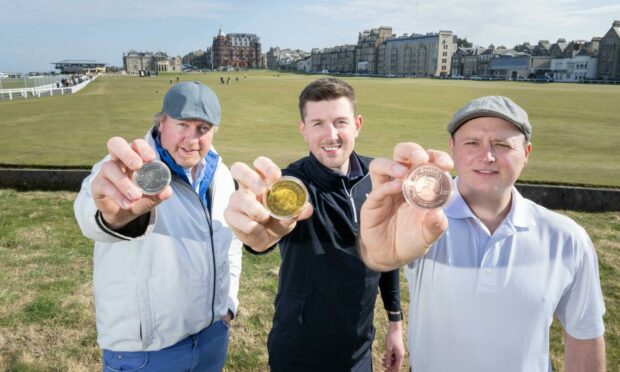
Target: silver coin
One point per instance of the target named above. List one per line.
(152, 178)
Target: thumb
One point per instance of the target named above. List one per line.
(435, 223)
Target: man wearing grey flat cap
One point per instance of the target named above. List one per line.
(166, 264)
(484, 294)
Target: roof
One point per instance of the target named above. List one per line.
(78, 62)
(510, 63)
(82, 62)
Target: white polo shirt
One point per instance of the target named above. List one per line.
(481, 302)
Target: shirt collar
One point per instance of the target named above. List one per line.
(355, 168)
(519, 215)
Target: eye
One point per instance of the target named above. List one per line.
(204, 129)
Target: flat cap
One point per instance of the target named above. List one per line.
(192, 100)
(494, 106)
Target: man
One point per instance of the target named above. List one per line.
(166, 266)
(482, 298)
(326, 296)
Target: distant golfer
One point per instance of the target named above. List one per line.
(166, 266)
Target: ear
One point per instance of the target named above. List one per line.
(451, 144)
(528, 151)
(302, 129)
(359, 121)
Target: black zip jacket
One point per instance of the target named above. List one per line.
(326, 295)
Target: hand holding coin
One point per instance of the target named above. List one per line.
(266, 206)
(116, 196)
(402, 216)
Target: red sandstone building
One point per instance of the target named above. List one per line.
(238, 51)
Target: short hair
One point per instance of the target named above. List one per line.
(325, 89)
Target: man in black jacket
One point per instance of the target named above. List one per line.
(325, 303)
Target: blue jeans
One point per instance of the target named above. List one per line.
(204, 351)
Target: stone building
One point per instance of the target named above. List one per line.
(337, 59)
(419, 55)
(609, 54)
(367, 47)
(152, 63)
(198, 59)
(236, 51)
(284, 59)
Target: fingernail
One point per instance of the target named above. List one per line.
(417, 154)
(133, 193)
(135, 164)
(399, 169)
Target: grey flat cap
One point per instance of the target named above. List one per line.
(494, 106)
(192, 100)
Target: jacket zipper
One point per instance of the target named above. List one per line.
(350, 195)
(208, 217)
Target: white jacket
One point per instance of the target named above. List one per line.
(174, 280)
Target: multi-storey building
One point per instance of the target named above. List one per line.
(419, 55)
(609, 54)
(284, 59)
(236, 51)
(151, 63)
(367, 47)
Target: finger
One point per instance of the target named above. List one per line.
(120, 150)
(111, 170)
(385, 170)
(245, 202)
(306, 212)
(240, 222)
(107, 197)
(143, 149)
(410, 154)
(440, 158)
(435, 224)
(267, 169)
(248, 179)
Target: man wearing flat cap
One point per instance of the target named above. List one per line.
(166, 265)
(484, 294)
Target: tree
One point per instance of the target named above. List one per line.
(463, 42)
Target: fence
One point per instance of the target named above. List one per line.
(44, 90)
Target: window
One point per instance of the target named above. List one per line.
(443, 60)
(445, 54)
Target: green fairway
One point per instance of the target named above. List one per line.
(575, 136)
(47, 319)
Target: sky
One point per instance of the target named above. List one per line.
(34, 33)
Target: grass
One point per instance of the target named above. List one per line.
(47, 320)
(575, 133)
(46, 309)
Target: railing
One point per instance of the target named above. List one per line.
(49, 89)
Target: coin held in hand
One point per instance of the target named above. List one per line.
(152, 178)
(427, 186)
(286, 198)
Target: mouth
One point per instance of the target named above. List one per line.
(486, 172)
(188, 151)
(331, 148)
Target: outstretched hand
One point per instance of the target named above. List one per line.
(392, 231)
(114, 194)
(245, 213)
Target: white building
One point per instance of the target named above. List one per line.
(580, 67)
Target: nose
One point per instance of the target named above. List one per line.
(488, 154)
(332, 132)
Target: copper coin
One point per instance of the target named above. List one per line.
(152, 178)
(286, 198)
(427, 186)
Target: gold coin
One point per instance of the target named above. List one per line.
(286, 197)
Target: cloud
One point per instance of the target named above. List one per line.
(482, 21)
(80, 11)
